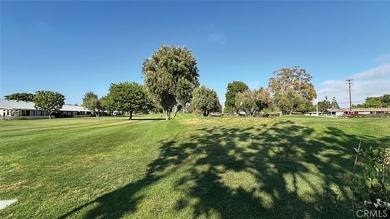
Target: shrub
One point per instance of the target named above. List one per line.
(371, 187)
(267, 111)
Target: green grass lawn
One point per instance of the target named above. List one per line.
(222, 167)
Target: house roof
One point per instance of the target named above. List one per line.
(360, 110)
(74, 108)
(337, 110)
(24, 105)
(14, 104)
(371, 109)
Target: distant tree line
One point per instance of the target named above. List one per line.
(20, 97)
(171, 78)
(375, 102)
(290, 90)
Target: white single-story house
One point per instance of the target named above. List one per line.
(11, 109)
(336, 112)
(360, 111)
(366, 111)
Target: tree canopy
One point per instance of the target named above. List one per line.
(292, 89)
(127, 96)
(289, 100)
(206, 100)
(29, 97)
(170, 76)
(107, 103)
(232, 89)
(373, 102)
(49, 101)
(247, 102)
(335, 105)
(92, 102)
(264, 98)
(377, 102)
(184, 92)
(324, 105)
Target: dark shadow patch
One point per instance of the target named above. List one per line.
(147, 119)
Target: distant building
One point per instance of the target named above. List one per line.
(336, 112)
(359, 111)
(13, 109)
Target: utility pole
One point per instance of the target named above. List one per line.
(317, 104)
(350, 83)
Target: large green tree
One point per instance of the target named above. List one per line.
(29, 97)
(206, 100)
(377, 102)
(335, 105)
(170, 76)
(232, 89)
(128, 97)
(289, 100)
(264, 98)
(184, 92)
(373, 102)
(247, 102)
(324, 105)
(386, 100)
(292, 89)
(107, 103)
(49, 101)
(92, 102)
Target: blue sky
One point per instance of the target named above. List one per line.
(80, 46)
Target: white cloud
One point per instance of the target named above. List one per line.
(370, 83)
(382, 71)
(217, 38)
(385, 58)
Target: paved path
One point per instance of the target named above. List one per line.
(6, 203)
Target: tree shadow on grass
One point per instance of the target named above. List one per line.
(147, 119)
(281, 170)
(116, 203)
(273, 162)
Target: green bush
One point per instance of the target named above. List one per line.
(371, 187)
(267, 111)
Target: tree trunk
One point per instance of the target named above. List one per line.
(168, 115)
(175, 113)
(49, 115)
(131, 114)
